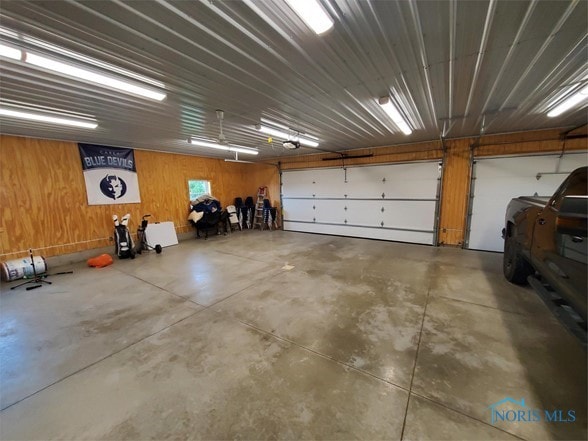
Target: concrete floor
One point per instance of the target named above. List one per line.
(217, 339)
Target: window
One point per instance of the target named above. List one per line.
(198, 188)
(574, 185)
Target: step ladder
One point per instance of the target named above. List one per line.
(258, 218)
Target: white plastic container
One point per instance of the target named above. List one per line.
(18, 268)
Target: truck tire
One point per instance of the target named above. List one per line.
(516, 269)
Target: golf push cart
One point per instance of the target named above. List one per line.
(123, 242)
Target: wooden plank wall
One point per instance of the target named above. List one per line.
(456, 183)
(456, 175)
(44, 205)
(43, 199)
(400, 153)
(264, 177)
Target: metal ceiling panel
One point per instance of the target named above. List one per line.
(449, 65)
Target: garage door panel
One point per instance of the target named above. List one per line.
(322, 202)
(415, 189)
(524, 187)
(298, 209)
(570, 162)
(498, 180)
(313, 183)
(364, 213)
(530, 166)
(330, 211)
(368, 233)
(329, 183)
(297, 184)
(409, 215)
(414, 215)
(407, 181)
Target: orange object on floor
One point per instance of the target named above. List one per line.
(100, 261)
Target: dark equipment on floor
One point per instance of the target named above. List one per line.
(142, 244)
(213, 217)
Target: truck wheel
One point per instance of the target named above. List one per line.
(516, 269)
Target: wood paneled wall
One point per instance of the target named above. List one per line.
(44, 205)
(267, 176)
(456, 174)
(399, 153)
(455, 187)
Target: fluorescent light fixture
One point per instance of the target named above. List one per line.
(8, 32)
(312, 13)
(275, 124)
(86, 124)
(309, 141)
(238, 160)
(225, 147)
(569, 102)
(394, 114)
(84, 59)
(10, 52)
(273, 132)
(53, 64)
(84, 74)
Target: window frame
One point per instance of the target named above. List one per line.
(208, 186)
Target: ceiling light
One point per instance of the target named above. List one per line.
(306, 140)
(86, 124)
(312, 13)
(272, 132)
(52, 62)
(569, 102)
(238, 160)
(88, 60)
(246, 150)
(225, 147)
(84, 74)
(10, 52)
(394, 114)
(274, 124)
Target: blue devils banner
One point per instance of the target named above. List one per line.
(110, 174)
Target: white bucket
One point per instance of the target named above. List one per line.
(19, 268)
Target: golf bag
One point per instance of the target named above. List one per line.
(123, 242)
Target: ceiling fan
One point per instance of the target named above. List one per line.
(222, 144)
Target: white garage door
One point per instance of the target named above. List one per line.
(498, 180)
(390, 202)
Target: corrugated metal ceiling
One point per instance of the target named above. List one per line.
(452, 65)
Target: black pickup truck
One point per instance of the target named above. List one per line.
(546, 243)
